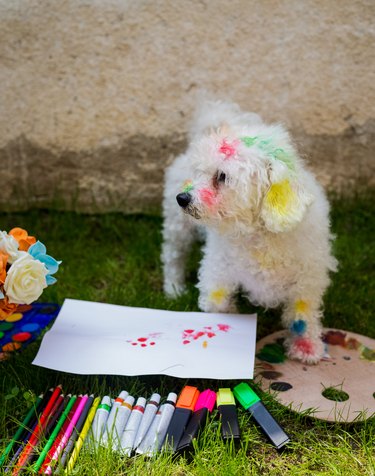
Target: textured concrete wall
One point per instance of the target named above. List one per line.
(96, 95)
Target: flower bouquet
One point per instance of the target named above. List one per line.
(25, 270)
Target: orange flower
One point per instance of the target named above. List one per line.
(6, 308)
(23, 238)
(3, 267)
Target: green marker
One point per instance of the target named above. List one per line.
(54, 434)
(22, 428)
(251, 402)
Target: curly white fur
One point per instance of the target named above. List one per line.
(265, 219)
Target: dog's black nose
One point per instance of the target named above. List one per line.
(183, 199)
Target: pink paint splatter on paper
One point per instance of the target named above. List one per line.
(191, 335)
(145, 341)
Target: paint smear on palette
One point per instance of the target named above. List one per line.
(145, 341)
(341, 339)
(191, 335)
(273, 353)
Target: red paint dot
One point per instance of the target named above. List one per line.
(134, 343)
(21, 337)
(211, 334)
(189, 331)
(199, 334)
(142, 339)
(207, 327)
(143, 345)
(152, 343)
(186, 342)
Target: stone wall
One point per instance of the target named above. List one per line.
(96, 95)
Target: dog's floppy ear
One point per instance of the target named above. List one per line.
(286, 200)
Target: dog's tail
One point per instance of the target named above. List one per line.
(212, 113)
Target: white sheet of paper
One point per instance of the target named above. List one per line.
(97, 338)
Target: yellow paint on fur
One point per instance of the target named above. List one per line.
(301, 307)
(218, 296)
(204, 344)
(279, 196)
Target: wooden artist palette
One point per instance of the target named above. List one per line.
(341, 387)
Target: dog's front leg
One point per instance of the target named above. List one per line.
(301, 316)
(177, 239)
(216, 283)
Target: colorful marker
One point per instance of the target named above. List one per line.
(181, 416)
(226, 406)
(82, 436)
(204, 406)
(251, 402)
(109, 426)
(121, 420)
(149, 414)
(65, 437)
(73, 438)
(100, 419)
(131, 428)
(22, 429)
(54, 434)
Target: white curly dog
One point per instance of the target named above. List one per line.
(265, 219)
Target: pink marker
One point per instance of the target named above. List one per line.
(66, 435)
(202, 409)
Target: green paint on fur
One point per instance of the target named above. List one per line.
(281, 155)
(267, 146)
(188, 187)
(249, 141)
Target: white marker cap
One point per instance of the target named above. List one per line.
(129, 401)
(172, 397)
(123, 394)
(141, 402)
(155, 397)
(106, 401)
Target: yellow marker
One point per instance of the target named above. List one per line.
(301, 307)
(82, 436)
(218, 296)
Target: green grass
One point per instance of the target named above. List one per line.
(115, 258)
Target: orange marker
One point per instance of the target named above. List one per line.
(184, 408)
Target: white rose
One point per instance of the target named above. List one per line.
(25, 280)
(9, 246)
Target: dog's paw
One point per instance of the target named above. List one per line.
(173, 291)
(228, 307)
(307, 350)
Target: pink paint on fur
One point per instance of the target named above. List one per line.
(208, 196)
(228, 149)
(305, 345)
